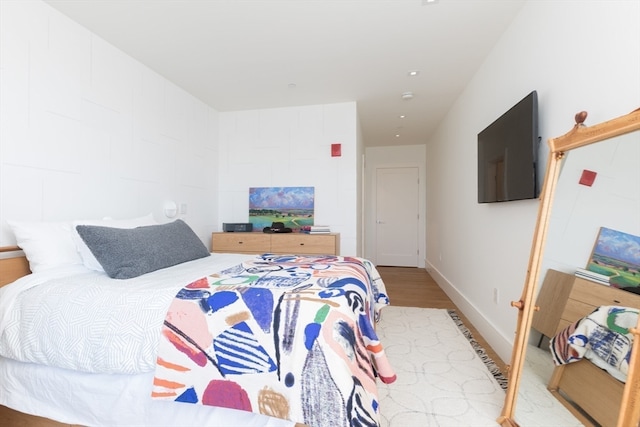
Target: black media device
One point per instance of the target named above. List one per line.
(508, 153)
(237, 226)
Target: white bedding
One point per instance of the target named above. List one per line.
(108, 400)
(110, 337)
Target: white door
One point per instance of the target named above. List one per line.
(397, 216)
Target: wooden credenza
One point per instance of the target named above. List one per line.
(565, 298)
(286, 243)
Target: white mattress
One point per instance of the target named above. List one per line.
(108, 381)
(108, 400)
(79, 319)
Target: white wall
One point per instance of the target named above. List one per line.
(578, 56)
(88, 132)
(291, 147)
(386, 157)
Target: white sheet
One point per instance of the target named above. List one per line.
(108, 400)
(79, 319)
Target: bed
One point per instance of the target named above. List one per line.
(119, 346)
(592, 350)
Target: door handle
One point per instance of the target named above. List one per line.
(379, 222)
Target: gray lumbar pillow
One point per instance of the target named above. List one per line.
(127, 253)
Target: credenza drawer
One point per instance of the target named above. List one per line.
(305, 244)
(595, 294)
(240, 242)
(565, 298)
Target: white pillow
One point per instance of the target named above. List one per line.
(87, 257)
(47, 245)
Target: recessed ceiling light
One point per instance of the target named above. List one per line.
(402, 116)
(425, 2)
(291, 85)
(397, 135)
(413, 73)
(407, 96)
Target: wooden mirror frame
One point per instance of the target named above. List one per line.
(579, 136)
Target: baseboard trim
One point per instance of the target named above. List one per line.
(500, 344)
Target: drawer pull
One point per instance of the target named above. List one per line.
(616, 301)
(240, 243)
(301, 244)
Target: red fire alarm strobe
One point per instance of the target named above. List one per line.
(336, 150)
(587, 177)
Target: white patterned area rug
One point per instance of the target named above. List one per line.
(442, 380)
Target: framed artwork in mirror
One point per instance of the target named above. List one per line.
(617, 255)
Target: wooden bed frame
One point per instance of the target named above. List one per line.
(12, 268)
(582, 384)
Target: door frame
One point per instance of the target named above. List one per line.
(412, 192)
(393, 157)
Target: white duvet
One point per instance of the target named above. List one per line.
(79, 319)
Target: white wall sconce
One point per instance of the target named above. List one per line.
(170, 209)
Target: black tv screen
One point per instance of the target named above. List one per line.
(507, 154)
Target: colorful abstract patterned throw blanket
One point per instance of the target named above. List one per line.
(286, 336)
(603, 335)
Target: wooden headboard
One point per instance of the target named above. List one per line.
(14, 266)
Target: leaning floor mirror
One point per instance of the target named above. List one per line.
(624, 411)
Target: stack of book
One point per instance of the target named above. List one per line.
(593, 276)
(316, 229)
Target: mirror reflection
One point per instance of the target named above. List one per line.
(599, 186)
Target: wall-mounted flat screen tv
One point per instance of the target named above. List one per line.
(507, 154)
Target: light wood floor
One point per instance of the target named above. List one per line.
(414, 287)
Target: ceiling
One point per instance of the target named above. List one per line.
(254, 54)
